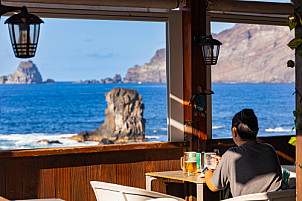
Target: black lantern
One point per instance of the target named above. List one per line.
(209, 46)
(24, 31)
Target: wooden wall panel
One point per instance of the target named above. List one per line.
(109, 167)
(79, 189)
(46, 186)
(67, 176)
(30, 178)
(14, 179)
(156, 160)
(63, 178)
(3, 178)
(130, 169)
(94, 172)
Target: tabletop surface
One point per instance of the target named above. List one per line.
(49, 199)
(178, 175)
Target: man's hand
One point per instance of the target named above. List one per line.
(208, 176)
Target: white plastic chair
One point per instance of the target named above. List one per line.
(286, 195)
(109, 192)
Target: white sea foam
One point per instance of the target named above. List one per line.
(278, 129)
(216, 127)
(30, 141)
(152, 137)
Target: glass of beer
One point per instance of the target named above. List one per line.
(210, 160)
(189, 163)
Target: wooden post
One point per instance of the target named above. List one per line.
(194, 19)
(298, 74)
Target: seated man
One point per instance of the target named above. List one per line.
(252, 167)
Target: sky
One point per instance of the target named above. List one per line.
(73, 50)
(70, 50)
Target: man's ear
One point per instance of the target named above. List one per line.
(234, 131)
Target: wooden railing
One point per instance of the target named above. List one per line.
(66, 172)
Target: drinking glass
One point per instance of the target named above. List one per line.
(189, 163)
(210, 160)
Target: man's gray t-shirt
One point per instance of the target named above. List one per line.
(250, 168)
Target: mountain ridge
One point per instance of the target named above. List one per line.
(254, 54)
(249, 54)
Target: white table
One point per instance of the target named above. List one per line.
(177, 175)
(48, 199)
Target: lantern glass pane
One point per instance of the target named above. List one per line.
(12, 34)
(33, 29)
(206, 51)
(216, 50)
(34, 33)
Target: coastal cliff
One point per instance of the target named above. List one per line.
(254, 54)
(152, 72)
(27, 73)
(249, 54)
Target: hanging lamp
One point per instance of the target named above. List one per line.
(24, 29)
(210, 48)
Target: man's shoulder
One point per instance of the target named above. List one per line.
(231, 152)
(266, 146)
(254, 147)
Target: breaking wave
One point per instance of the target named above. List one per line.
(217, 127)
(30, 141)
(277, 130)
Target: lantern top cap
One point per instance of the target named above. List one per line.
(19, 18)
(208, 40)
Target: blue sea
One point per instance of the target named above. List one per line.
(30, 113)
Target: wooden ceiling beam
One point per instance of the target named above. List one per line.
(47, 10)
(250, 7)
(248, 18)
(163, 4)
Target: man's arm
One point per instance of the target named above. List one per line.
(3, 199)
(208, 176)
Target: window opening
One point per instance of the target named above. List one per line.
(252, 73)
(79, 55)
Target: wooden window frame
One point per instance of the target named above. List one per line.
(174, 56)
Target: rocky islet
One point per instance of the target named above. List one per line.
(124, 120)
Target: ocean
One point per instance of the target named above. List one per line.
(30, 113)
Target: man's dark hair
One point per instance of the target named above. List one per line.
(246, 124)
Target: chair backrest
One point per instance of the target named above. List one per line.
(286, 195)
(108, 192)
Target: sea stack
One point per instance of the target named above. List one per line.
(27, 73)
(124, 120)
